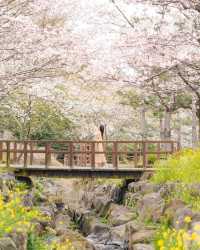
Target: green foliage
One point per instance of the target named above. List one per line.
(14, 215)
(152, 158)
(169, 238)
(104, 220)
(30, 117)
(183, 167)
(129, 98)
(35, 242)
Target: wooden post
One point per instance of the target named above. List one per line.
(8, 154)
(31, 153)
(158, 151)
(172, 147)
(71, 154)
(25, 154)
(1, 153)
(136, 155)
(15, 152)
(144, 152)
(115, 155)
(47, 154)
(178, 146)
(92, 155)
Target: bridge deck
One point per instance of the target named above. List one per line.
(127, 159)
(53, 171)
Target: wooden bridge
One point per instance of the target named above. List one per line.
(128, 159)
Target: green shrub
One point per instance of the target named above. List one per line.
(152, 159)
(181, 167)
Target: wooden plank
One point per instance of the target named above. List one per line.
(88, 141)
(115, 155)
(31, 153)
(172, 147)
(1, 151)
(47, 154)
(158, 151)
(144, 154)
(25, 154)
(8, 154)
(92, 155)
(15, 152)
(71, 154)
(135, 156)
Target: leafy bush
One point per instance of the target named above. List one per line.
(182, 239)
(14, 216)
(152, 159)
(181, 167)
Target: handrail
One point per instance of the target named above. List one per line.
(89, 152)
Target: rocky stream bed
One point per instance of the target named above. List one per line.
(101, 216)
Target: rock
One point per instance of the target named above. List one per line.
(116, 194)
(118, 215)
(107, 192)
(101, 205)
(142, 236)
(91, 224)
(53, 192)
(149, 187)
(167, 188)
(87, 199)
(79, 242)
(144, 187)
(62, 223)
(172, 207)
(49, 212)
(151, 207)
(119, 231)
(122, 231)
(20, 240)
(133, 227)
(6, 183)
(39, 197)
(146, 176)
(28, 199)
(131, 199)
(181, 214)
(106, 242)
(7, 243)
(136, 186)
(142, 247)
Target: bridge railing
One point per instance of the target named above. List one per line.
(88, 154)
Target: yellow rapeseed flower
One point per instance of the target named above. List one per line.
(194, 236)
(187, 219)
(160, 243)
(197, 227)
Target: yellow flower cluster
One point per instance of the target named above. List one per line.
(182, 239)
(15, 216)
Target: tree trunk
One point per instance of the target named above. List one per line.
(178, 129)
(194, 124)
(167, 125)
(161, 128)
(143, 123)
